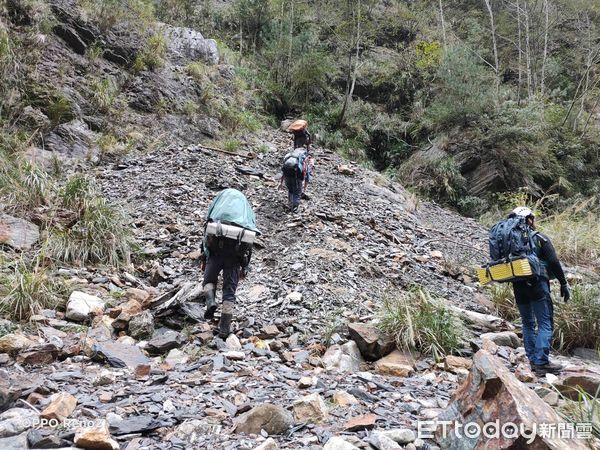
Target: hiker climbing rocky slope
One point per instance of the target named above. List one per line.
(127, 361)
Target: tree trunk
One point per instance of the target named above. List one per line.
(351, 68)
(520, 52)
(530, 86)
(291, 42)
(488, 4)
(545, 56)
(443, 24)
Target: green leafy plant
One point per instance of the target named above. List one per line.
(59, 109)
(23, 185)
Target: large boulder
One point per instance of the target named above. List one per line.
(95, 438)
(371, 343)
(141, 326)
(310, 408)
(492, 393)
(164, 342)
(81, 305)
(117, 354)
(14, 342)
(502, 338)
(343, 358)
(18, 233)
(397, 363)
(271, 418)
(61, 406)
(16, 420)
(338, 443)
(578, 379)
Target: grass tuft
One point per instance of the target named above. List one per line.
(25, 292)
(419, 322)
(99, 234)
(577, 323)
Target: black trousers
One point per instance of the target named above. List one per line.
(230, 264)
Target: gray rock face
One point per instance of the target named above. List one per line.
(73, 139)
(18, 233)
(190, 44)
(141, 326)
(15, 421)
(271, 418)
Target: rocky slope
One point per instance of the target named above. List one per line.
(357, 239)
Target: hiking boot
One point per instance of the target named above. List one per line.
(225, 322)
(543, 369)
(211, 304)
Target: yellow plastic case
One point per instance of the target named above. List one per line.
(505, 271)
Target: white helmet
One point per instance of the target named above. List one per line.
(523, 211)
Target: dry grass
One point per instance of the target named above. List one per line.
(575, 233)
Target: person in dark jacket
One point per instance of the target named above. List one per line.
(296, 172)
(223, 254)
(534, 302)
(302, 139)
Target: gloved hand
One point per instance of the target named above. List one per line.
(565, 292)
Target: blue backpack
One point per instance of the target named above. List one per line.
(293, 163)
(512, 239)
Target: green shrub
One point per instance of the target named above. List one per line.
(189, 108)
(197, 71)
(465, 91)
(434, 175)
(155, 51)
(419, 322)
(232, 145)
